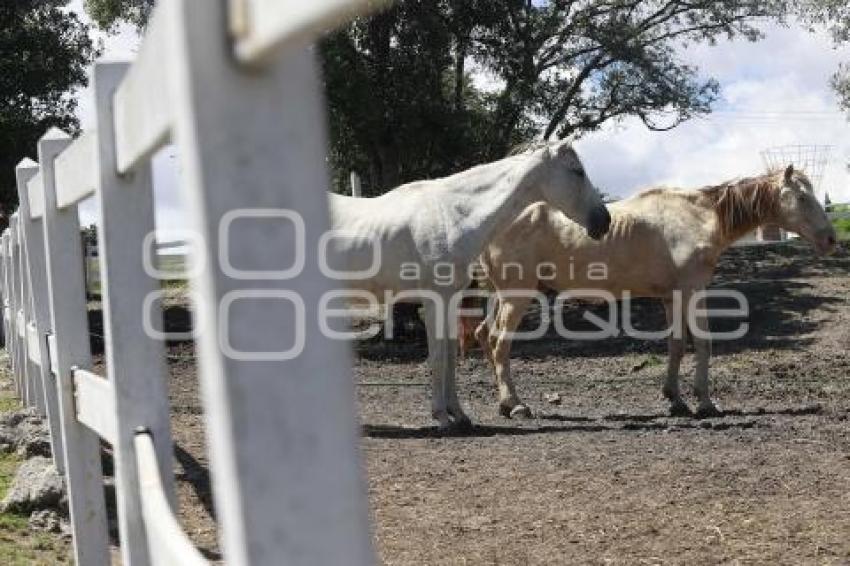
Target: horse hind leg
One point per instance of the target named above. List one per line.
(465, 335)
(510, 315)
(702, 347)
(482, 336)
(676, 351)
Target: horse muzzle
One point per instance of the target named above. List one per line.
(826, 244)
(824, 240)
(599, 222)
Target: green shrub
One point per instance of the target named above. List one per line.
(842, 228)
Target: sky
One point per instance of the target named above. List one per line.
(774, 92)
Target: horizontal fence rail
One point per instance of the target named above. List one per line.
(36, 197)
(235, 87)
(261, 27)
(165, 537)
(94, 397)
(143, 105)
(76, 171)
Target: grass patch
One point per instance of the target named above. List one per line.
(842, 228)
(8, 464)
(18, 545)
(8, 403)
(174, 284)
(649, 361)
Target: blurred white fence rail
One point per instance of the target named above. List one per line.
(245, 112)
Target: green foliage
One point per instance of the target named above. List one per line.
(427, 88)
(18, 545)
(44, 52)
(398, 108)
(835, 16)
(403, 103)
(107, 13)
(842, 228)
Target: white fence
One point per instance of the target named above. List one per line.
(235, 87)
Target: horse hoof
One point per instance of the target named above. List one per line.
(444, 423)
(680, 409)
(462, 425)
(709, 411)
(505, 411)
(520, 412)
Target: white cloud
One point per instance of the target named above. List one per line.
(122, 45)
(774, 92)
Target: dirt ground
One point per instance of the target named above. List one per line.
(606, 477)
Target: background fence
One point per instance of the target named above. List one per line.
(235, 87)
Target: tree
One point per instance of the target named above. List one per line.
(44, 53)
(401, 93)
(426, 88)
(399, 99)
(835, 15)
(106, 13)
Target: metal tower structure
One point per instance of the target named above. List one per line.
(812, 159)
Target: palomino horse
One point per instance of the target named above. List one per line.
(661, 242)
(427, 235)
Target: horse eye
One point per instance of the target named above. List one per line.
(579, 172)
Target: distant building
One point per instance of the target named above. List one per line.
(771, 233)
(827, 204)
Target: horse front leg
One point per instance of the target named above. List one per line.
(442, 357)
(510, 315)
(702, 345)
(436, 361)
(461, 420)
(675, 352)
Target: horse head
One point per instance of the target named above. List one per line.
(565, 185)
(798, 210)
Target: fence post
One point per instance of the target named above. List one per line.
(4, 270)
(17, 370)
(3, 288)
(135, 360)
(20, 285)
(7, 283)
(356, 185)
(7, 334)
(10, 303)
(33, 372)
(69, 321)
(33, 237)
(284, 443)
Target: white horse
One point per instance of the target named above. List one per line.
(428, 233)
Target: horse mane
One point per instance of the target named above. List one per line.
(744, 204)
(534, 145)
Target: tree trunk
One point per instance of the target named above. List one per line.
(460, 70)
(390, 166)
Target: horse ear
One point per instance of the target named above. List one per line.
(564, 147)
(789, 172)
